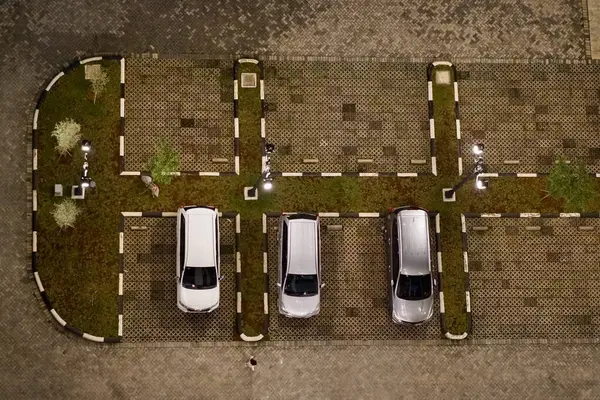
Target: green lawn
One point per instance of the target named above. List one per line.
(79, 267)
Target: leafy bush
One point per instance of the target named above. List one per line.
(66, 213)
(571, 183)
(67, 134)
(99, 83)
(163, 163)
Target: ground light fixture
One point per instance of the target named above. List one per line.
(78, 191)
(478, 149)
(86, 146)
(481, 184)
(268, 184)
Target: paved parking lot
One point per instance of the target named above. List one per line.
(150, 312)
(354, 302)
(542, 283)
(187, 102)
(338, 113)
(529, 114)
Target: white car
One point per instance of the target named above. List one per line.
(299, 275)
(198, 259)
(409, 263)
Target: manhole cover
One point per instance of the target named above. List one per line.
(248, 80)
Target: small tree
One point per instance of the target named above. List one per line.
(99, 82)
(66, 213)
(571, 183)
(67, 134)
(163, 163)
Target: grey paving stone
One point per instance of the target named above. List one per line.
(533, 121)
(150, 312)
(323, 118)
(182, 102)
(546, 286)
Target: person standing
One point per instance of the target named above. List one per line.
(251, 363)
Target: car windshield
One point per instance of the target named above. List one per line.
(199, 278)
(414, 287)
(301, 285)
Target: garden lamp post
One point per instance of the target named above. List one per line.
(265, 177)
(478, 151)
(78, 192)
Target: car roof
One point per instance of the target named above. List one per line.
(303, 246)
(413, 232)
(200, 237)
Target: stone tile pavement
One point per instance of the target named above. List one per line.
(339, 114)
(37, 37)
(528, 115)
(534, 277)
(188, 103)
(150, 312)
(354, 303)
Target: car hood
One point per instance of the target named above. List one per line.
(199, 299)
(412, 311)
(300, 306)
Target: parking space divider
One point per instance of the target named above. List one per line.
(170, 214)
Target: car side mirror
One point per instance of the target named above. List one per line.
(221, 277)
(322, 285)
(435, 283)
(278, 284)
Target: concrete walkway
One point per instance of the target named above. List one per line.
(594, 24)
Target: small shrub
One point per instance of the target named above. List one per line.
(67, 134)
(99, 83)
(571, 183)
(66, 213)
(163, 163)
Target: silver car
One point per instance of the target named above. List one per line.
(299, 273)
(409, 263)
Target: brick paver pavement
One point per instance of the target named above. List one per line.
(37, 37)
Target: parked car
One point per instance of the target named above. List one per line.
(299, 272)
(198, 259)
(409, 263)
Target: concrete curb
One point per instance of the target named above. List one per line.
(353, 174)
(522, 174)
(438, 249)
(262, 103)
(265, 330)
(595, 214)
(34, 188)
(236, 121)
(430, 68)
(465, 250)
(122, 120)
